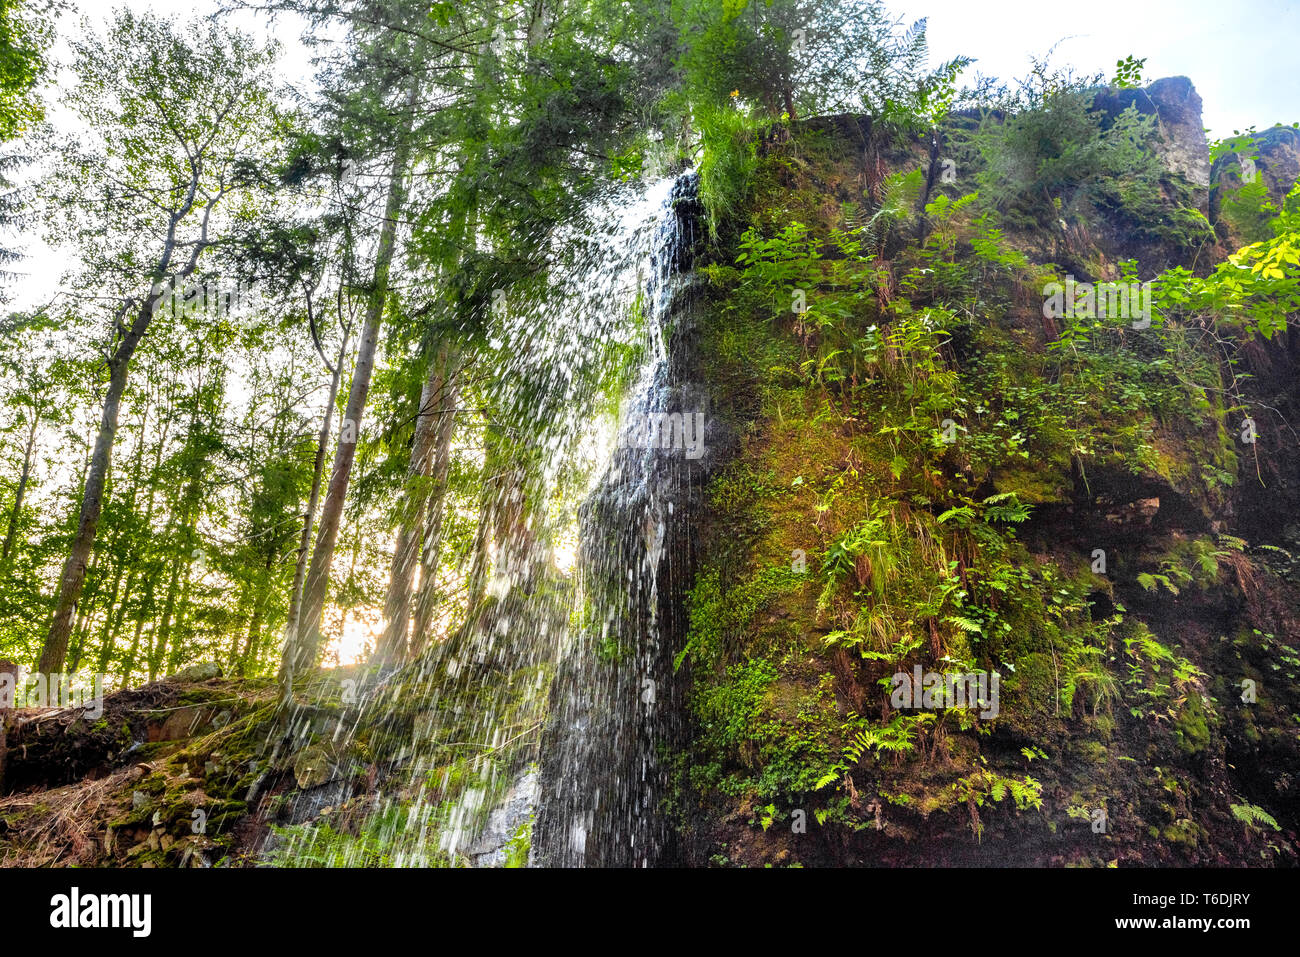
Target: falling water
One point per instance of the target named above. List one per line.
(616, 710)
(549, 711)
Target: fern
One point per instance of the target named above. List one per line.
(899, 197)
(1150, 580)
(826, 779)
(961, 511)
(968, 625)
(1253, 816)
(1005, 507)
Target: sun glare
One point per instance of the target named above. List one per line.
(360, 634)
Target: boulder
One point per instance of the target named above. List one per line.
(202, 671)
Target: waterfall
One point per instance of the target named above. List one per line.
(544, 719)
(616, 705)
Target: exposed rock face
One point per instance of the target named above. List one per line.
(314, 766)
(617, 709)
(507, 821)
(1279, 160)
(1277, 164)
(1177, 107)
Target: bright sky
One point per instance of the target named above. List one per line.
(1240, 54)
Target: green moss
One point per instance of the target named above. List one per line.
(1191, 728)
(1183, 832)
(1091, 752)
(720, 618)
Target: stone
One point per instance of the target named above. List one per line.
(1179, 108)
(202, 671)
(313, 767)
(178, 724)
(491, 846)
(1181, 143)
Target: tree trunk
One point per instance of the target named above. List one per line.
(128, 666)
(110, 634)
(397, 609)
(9, 668)
(173, 659)
(305, 652)
(255, 626)
(426, 599)
(113, 615)
(313, 500)
(73, 578)
(19, 494)
(135, 558)
(110, 609)
(163, 635)
(186, 522)
(81, 623)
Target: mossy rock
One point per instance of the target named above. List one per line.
(1191, 727)
(313, 766)
(202, 671)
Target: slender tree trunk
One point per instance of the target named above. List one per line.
(83, 637)
(113, 615)
(79, 633)
(110, 609)
(255, 625)
(426, 599)
(73, 578)
(307, 642)
(253, 639)
(19, 494)
(129, 661)
(236, 642)
(128, 665)
(161, 637)
(81, 624)
(406, 554)
(173, 659)
(313, 500)
(110, 634)
(176, 600)
(9, 668)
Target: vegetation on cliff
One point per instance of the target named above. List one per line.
(990, 557)
(935, 470)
